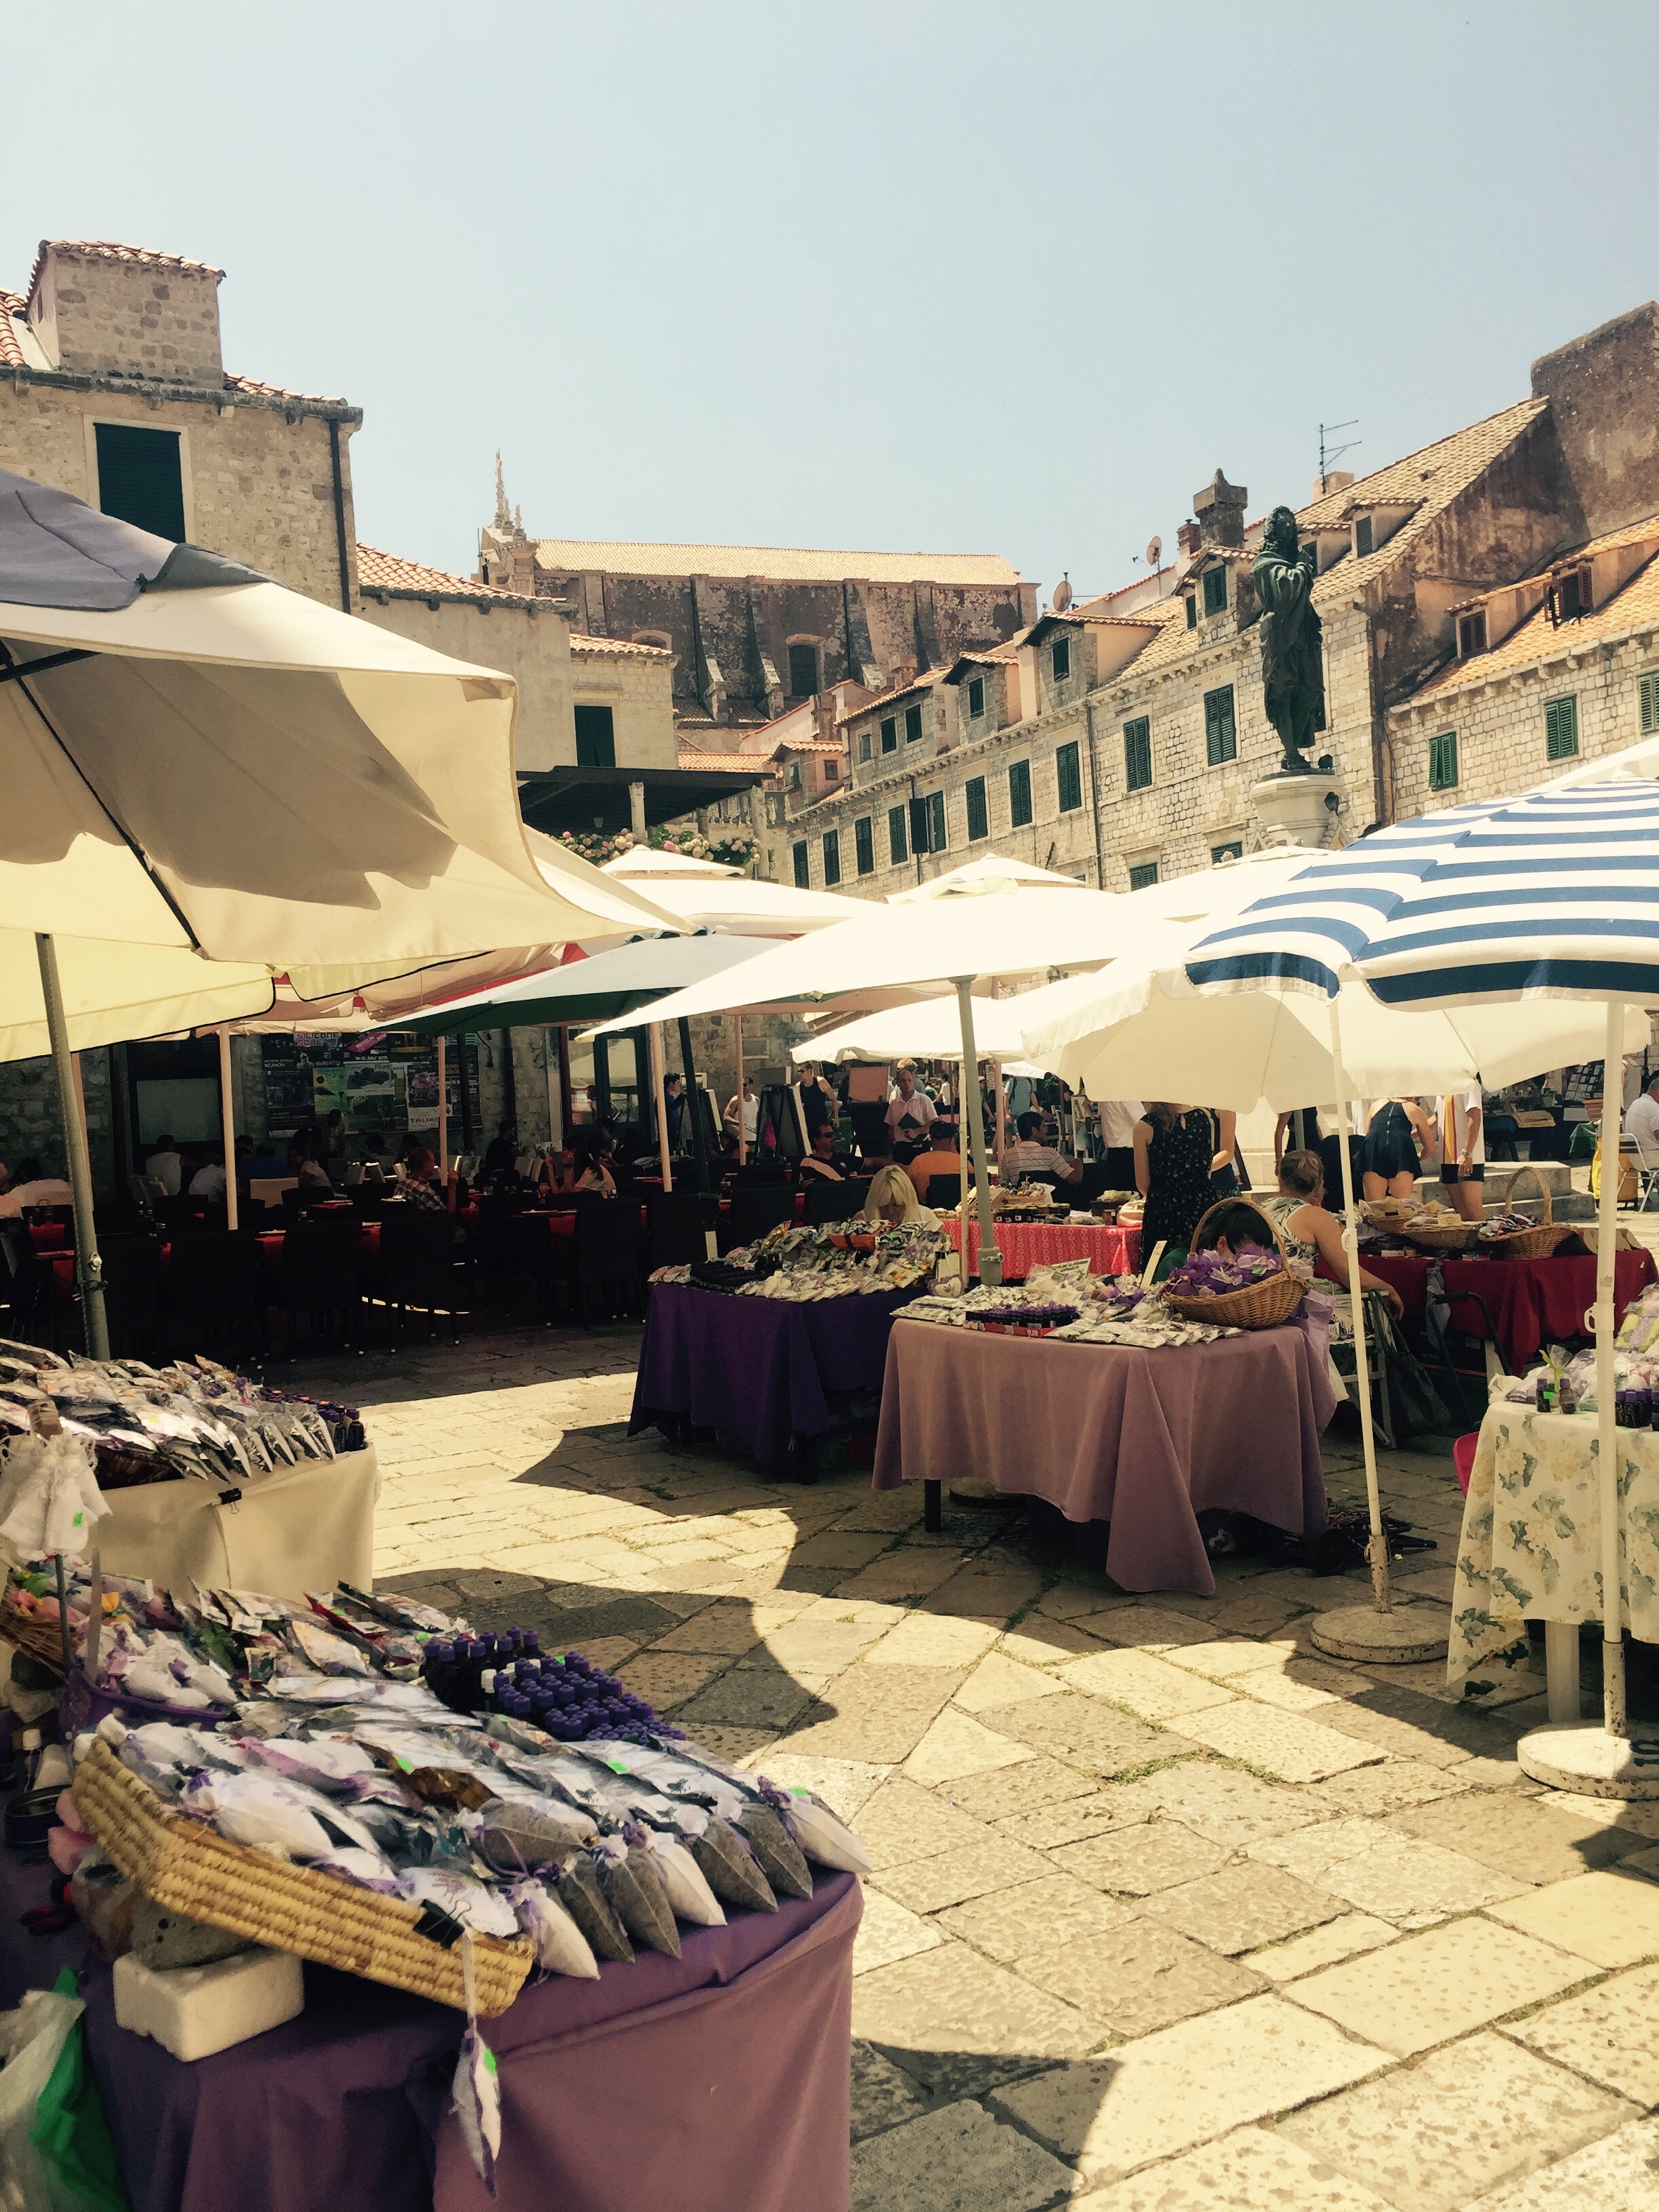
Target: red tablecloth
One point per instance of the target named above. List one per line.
(1533, 1302)
(1028, 1245)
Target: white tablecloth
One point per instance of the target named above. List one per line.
(303, 1528)
(1531, 1545)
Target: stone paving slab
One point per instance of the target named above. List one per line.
(1254, 2170)
(961, 2024)
(1242, 1907)
(956, 2160)
(1140, 1978)
(1621, 2170)
(1608, 2034)
(1385, 1871)
(1283, 1745)
(1439, 1984)
(1010, 1924)
(1611, 1918)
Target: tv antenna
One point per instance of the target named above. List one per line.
(1326, 455)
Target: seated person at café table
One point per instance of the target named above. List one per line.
(501, 1152)
(208, 1180)
(892, 1202)
(826, 1162)
(1029, 1156)
(941, 1158)
(910, 1112)
(585, 1165)
(419, 1185)
(166, 1165)
(750, 1112)
(1297, 1211)
(31, 1186)
(310, 1174)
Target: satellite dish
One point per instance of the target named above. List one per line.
(1154, 551)
(1062, 595)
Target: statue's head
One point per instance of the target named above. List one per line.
(1279, 534)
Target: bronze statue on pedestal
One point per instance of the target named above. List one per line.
(1292, 663)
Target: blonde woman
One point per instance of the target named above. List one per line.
(893, 1204)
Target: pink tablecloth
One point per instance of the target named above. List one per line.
(1144, 1439)
(1027, 1244)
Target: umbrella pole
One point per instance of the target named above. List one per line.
(443, 1106)
(736, 1049)
(655, 1033)
(1002, 1107)
(990, 1260)
(228, 1128)
(88, 1267)
(1606, 1434)
(1377, 1632)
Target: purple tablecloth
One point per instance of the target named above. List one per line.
(758, 1368)
(716, 2081)
(1144, 1439)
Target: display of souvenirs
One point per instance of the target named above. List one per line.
(1107, 1309)
(800, 1265)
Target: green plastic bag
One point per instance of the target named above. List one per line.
(69, 2131)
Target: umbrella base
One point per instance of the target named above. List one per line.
(1590, 1763)
(1404, 1637)
(973, 1490)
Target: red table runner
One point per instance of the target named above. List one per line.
(1533, 1302)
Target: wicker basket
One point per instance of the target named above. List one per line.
(1460, 1236)
(189, 1867)
(1261, 1305)
(1537, 1242)
(25, 1634)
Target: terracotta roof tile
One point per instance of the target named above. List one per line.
(390, 572)
(11, 351)
(617, 649)
(106, 249)
(1633, 607)
(730, 763)
(879, 701)
(573, 556)
(256, 389)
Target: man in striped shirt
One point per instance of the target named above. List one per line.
(1029, 1157)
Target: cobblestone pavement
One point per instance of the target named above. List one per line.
(1167, 1911)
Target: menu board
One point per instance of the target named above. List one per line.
(384, 1081)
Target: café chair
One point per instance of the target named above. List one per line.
(320, 1262)
(417, 1264)
(214, 1299)
(675, 1235)
(831, 1201)
(756, 1208)
(132, 1295)
(602, 1259)
(944, 1192)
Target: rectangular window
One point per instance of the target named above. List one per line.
(1233, 850)
(803, 867)
(911, 724)
(898, 850)
(1192, 610)
(1220, 731)
(1215, 591)
(596, 740)
(1471, 635)
(1138, 753)
(802, 671)
(864, 844)
(1649, 691)
(140, 476)
(1443, 762)
(1068, 776)
(1062, 659)
(979, 815)
(1365, 536)
(1019, 795)
(864, 745)
(1561, 728)
(831, 858)
(1143, 875)
(975, 696)
(936, 839)
(918, 825)
(890, 735)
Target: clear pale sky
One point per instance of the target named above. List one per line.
(889, 273)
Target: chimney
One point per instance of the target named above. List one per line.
(1333, 480)
(1220, 511)
(1189, 538)
(110, 311)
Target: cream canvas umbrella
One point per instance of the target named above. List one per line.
(195, 758)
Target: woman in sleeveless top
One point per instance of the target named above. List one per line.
(1310, 1233)
(1174, 1154)
(1394, 1146)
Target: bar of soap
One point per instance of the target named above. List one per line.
(193, 2011)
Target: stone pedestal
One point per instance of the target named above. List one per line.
(1291, 808)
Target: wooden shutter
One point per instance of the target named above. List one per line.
(1019, 795)
(1068, 776)
(918, 825)
(1062, 659)
(596, 737)
(911, 724)
(1650, 696)
(936, 837)
(1443, 761)
(1138, 753)
(864, 844)
(1220, 734)
(803, 867)
(888, 735)
(898, 850)
(140, 476)
(979, 820)
(831, 858)
(1561, 728)
(1143, 875)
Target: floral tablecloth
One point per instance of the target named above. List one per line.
(1028, 1245)
(1531, 1545)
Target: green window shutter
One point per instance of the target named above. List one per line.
(1192, 610)
(1649, 691)
(890, 735)
(1561, 728)
(936, 838)
(1365, 536)
(1234, 850)
(911, 724)
(1143, 875)
(1138, 753)
(975, 696)
(1443, 762)
(802, 671)
(1215, 591)
(1220, 731)
(1019, 795)
(979, 818)
(864, 844)
(864, 745)
(596, 738)
(898, 850)
(1062, 659)
(140, 476)
(831, 858)
(918, 825)
(803, 867)
(1068, 774)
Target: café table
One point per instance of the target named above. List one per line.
(761, 1369)
(1025, 1245)
(1533, 1302)
(1144, 1438)
(716, 2080)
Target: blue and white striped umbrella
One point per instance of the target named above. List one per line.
(1552, 894)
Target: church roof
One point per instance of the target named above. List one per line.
(781, 563)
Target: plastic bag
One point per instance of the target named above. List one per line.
(55, 2147)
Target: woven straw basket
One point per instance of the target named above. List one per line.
(1537, 1242)
(192, 1868)
(1261, 1305)
(25, 1634)
(1456, 1237)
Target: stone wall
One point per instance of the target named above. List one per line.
(639, 690)
(31, 1122)
(526, 640)
(98, 315)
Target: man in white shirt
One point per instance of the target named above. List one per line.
(910, 1112)
(1029, 1157)
(1118, 1117)
(1463, 1153)
(165, 1164)
(33, 1189)
(207, 1182)
(1641, 1122)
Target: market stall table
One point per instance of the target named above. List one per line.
(1025, 1245)
(1145, 1439)
(716, 2081)
(1533, 1302)
(762, 1369)
(1530, 1547)
(298, 1529)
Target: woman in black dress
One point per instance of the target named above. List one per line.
(1394, 1142)
(1176, 1152)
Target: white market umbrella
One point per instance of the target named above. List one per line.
(196, 759)
(706, 896)
(931, 1029)
(990, 871)
(1544, 902)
